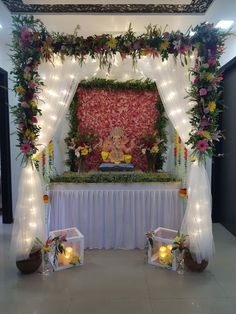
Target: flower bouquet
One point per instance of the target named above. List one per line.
(149, 146)
(79, 146)
(180, 248)
(54, 245)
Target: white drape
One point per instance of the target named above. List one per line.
(29, 220)
(61, 80)
(115, 215)
(173, 81)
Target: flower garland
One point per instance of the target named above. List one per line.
(32, 43)
(205, 92)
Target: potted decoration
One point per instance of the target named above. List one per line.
(32, 263)
(150, 147)
(79, 147)
(184, 256)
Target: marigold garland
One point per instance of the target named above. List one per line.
(32, 44)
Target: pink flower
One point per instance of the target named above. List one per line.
(25, 34)
(34, 119)
(204, 122)
(202, 92)
(196, 80)
(32, 84)
(25, 148)
(202, 145)
(212, 62)
(21, 126)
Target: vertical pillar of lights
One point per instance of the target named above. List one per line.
(172, 80)
(29, 216)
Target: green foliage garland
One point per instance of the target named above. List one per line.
(114, 177)
(32, 44)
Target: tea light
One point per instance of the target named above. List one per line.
(162, 249)
(163, 255)
(68, 250)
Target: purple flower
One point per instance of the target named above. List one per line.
(21, 126)
(216, 136)
(137, 45)
(24, 104)
(206, 110)
(27, 69)
(204, 122)
(25, 148)
(166, 35)
(202, 92)
(202, 145)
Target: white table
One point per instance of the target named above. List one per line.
(115, 215)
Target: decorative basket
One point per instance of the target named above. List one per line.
(31, 264)
(192, 265)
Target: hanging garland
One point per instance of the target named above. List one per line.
(32, 44)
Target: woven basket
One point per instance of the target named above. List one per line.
(31, 264)
(192, 265)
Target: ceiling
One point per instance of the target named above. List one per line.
(114, 6)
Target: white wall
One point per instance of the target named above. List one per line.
(5, 63)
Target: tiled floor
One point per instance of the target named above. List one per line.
(115, 282)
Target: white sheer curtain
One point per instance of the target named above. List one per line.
(61, 80)
(173, 81)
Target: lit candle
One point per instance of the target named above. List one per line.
(68, 250)
(169, 247)
(162, 249)
(163, 255)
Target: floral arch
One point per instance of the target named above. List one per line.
(33, 44)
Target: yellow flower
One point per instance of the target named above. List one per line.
(75, 260)
(27, 76)
(19, 89)
(209, 76)
(36, 157)
(33, 104)
(144, 52)
(27, 133)
(154, 149)
(46, 249)
(193, 158)
(206, 134)
(164, 45)
(112, 43)
(128, 158)
(84, 151)
(212, 106)
(104, 155)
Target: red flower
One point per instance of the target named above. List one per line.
(34, 119)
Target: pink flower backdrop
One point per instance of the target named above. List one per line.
(100, 110)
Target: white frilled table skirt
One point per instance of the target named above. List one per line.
(115, 215)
